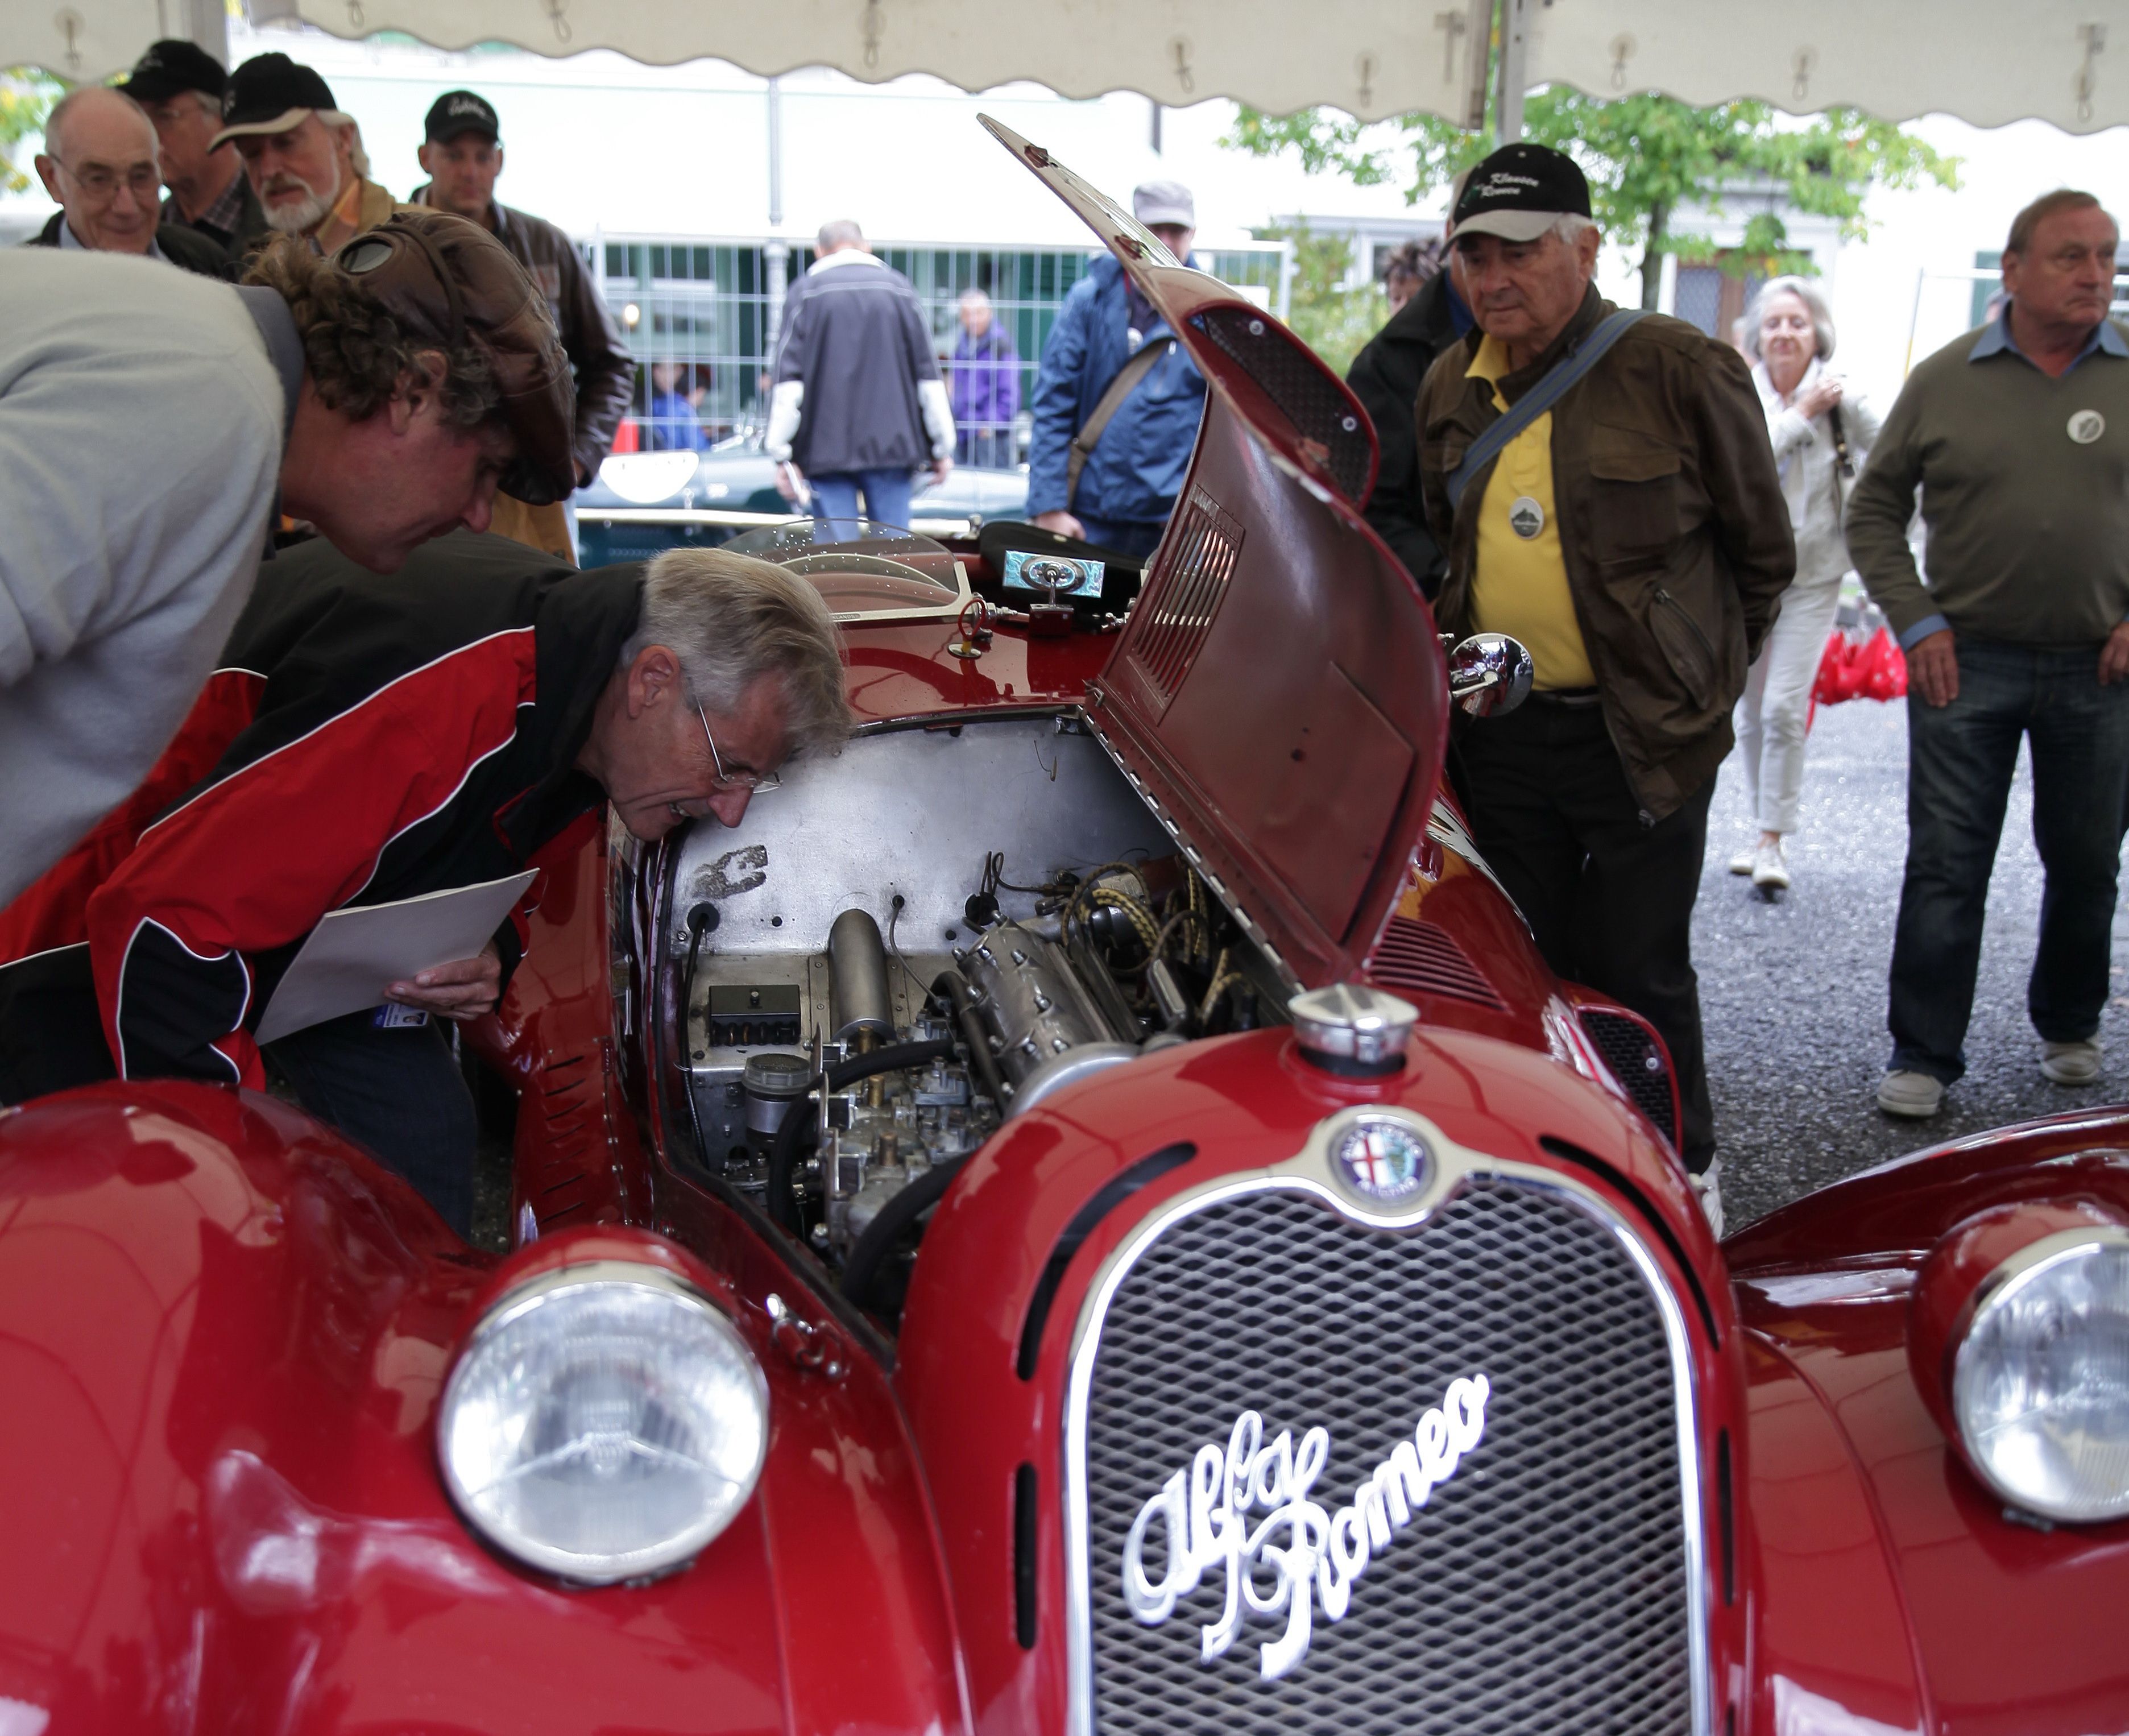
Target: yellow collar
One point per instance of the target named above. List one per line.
(1490, 362)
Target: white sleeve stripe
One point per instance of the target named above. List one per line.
(377, 861)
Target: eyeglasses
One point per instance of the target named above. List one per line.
(758, 783)
(755, 783)
(101, 182)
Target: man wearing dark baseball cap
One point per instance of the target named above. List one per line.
(380, 395)
(180, 85)
(462, 153)
(303, 154)
(1601, 482)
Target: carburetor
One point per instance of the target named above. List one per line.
(883, 1132)
(886, 1131)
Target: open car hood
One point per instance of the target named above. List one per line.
(1279, 694)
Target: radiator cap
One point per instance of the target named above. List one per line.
(1350, 1028)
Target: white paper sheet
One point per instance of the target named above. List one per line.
(353, 956)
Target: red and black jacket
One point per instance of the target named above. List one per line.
(366, 739)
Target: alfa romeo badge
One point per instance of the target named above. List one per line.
(1382, 1160)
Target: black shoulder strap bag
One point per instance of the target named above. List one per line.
(1559, 379)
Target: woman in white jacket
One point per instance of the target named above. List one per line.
(1821, 429)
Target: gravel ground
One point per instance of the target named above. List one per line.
(1793, 993)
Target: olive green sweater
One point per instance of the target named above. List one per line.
(2025, 495)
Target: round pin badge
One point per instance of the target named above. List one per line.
(2086, 427)
(1526, 517)
(1382, 1160)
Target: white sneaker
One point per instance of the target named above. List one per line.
(2071, 1063)
(1708, 1185)
(1770, 871)
(1743, 861)
(1916, 1095)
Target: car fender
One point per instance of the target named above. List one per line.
(2014, 1621)
(228, 1332)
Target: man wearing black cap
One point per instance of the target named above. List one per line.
(304, 156)
(181, 85)
(147, 423)
(462, 156)
(1603, 485)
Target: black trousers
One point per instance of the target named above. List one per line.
(397, 1093)
(1608, 898)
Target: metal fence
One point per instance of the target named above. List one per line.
(698, 316)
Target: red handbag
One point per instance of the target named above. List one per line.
(1857, 665)
(1885, 667)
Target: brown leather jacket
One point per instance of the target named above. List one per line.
(1671, 518)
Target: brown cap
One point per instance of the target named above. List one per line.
(445, 277)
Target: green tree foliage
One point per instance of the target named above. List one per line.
(27, 97)
(1646, 155)
(1333, 319)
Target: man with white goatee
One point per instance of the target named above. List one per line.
(304, 155)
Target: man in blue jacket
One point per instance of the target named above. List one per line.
(1106, 469)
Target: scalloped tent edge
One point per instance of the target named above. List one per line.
(2047, 61)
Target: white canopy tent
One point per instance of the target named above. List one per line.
(1986, 64)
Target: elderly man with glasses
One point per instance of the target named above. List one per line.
(101, 163)
(369, 740)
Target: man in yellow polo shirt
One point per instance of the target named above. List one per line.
(1519, 581)
(1635, 539)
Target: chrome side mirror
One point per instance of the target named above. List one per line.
(1489, 673)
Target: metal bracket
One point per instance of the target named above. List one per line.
(809, 1348)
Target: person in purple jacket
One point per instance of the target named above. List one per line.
(983, 376)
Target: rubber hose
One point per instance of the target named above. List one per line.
(887, 1060)
(951, 986)
(885, 1230)
(797, 1123)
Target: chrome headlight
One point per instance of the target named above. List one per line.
(604, 1422)
(2041, 1380)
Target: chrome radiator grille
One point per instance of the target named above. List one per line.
(1545, 1586)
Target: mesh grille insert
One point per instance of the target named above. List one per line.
(1291, 377)
(1423, 958)
(1543, 1587)
(1637, 1062)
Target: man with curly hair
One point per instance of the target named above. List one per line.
(152, 423)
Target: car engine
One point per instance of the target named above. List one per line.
(838, 1068)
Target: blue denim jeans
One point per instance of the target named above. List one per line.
(886, 499)
(1961, 758)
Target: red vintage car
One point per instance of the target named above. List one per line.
(1085, 1213)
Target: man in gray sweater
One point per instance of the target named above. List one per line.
(2018, 436)
(148, 420)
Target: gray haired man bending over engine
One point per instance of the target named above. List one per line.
(372, 739)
